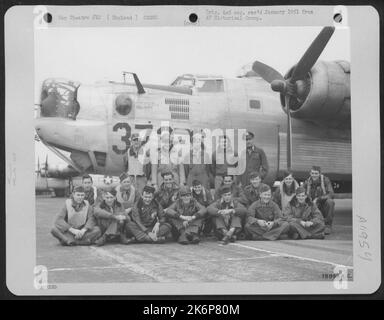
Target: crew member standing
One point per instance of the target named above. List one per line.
(136, 163)
(168, 160)
(222, 159)
(198, 165)
(255, 160)
(319, 189)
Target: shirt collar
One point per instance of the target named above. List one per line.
(77, 206)
(231, 203)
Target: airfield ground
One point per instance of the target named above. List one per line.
(243, 261)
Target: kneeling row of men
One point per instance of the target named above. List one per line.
(142, 218)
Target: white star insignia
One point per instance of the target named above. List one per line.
(108, 179)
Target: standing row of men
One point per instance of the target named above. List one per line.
(210, 170)
(180, 212)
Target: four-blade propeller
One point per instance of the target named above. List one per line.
(288, 86)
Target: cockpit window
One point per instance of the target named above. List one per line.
(210, 85)
(184, 82)
(59, 99)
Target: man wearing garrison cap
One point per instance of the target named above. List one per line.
(76, 224)
(264, 220)
(148, 222)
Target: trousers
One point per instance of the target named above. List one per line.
(255, 232)
(307, 233)
(142, 236)
(327, 209)
(66, 237)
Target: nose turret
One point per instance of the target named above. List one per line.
(59, 99)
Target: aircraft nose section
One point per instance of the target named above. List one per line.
(45, 129)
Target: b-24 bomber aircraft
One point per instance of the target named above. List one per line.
(303, 121)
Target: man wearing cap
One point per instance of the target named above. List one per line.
(92, 194)
(304, 218)
(148, 222)
(168, 190)
(111, 218)
(319, 189)
(229, 181)
(76, 224)
(126, 193)
(255, 160)
(227, 214)
(264, 219)
(251, 192)
(136, 165)
(186, 215)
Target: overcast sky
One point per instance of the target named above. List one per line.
(159, 55)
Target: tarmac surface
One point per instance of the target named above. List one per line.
(209, 261)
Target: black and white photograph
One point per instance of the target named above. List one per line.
(208, 155)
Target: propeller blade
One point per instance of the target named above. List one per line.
(312, 54)
(46, 166)
(266, 72)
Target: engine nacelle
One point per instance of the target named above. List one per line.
(325, 95)
(58, 172)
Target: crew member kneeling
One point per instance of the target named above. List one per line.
(305, 219)
(148, 219)
(186, 215)
(264, 220)
(227, 214)
(75, 224)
